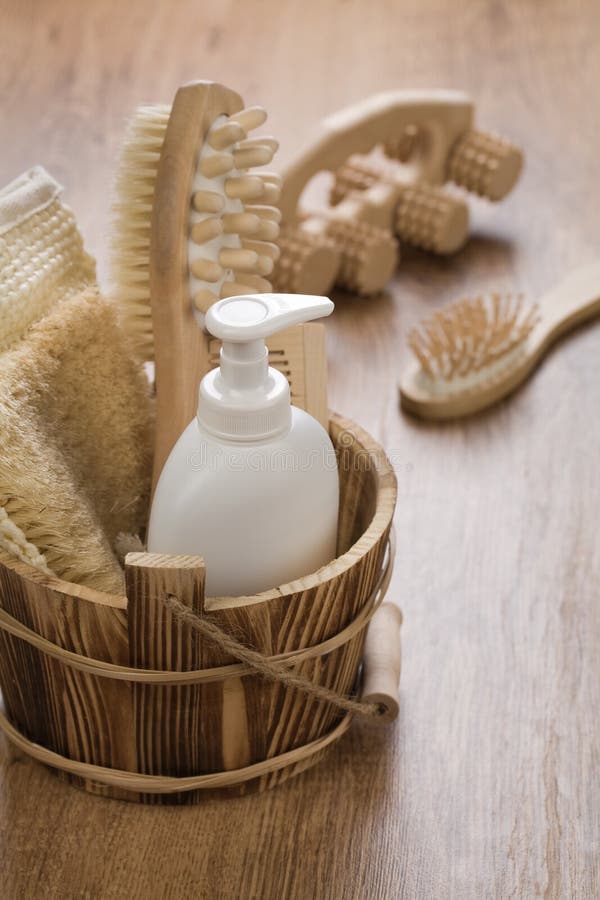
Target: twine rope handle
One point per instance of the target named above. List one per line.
(114, 671)
(279, 670)
(271, 671)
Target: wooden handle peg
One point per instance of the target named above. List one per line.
(382, 661)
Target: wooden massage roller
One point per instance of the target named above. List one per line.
(390, 156)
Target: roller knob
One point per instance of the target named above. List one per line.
(369, 255)
(485, 164)
(308, 263)
(352, 176)
(432, 219)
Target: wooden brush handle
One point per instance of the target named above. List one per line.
(571, 303)
(180, 347)
(382, 660)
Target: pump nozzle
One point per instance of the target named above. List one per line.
(252, 316)
(244, 399)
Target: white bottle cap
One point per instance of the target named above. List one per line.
(245, 399)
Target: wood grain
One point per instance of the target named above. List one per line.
(488, 784)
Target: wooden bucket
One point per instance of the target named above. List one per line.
(80, 671)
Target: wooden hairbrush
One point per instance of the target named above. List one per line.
(192, 225)
(474, 352)
(380, 198)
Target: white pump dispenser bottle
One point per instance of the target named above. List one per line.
(252, 483)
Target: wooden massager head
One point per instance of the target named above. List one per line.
(390, 156)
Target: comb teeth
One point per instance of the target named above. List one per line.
(485, 164)
(471, 336)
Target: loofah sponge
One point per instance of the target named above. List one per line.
(75, 409)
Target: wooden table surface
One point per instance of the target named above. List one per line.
(488, 786)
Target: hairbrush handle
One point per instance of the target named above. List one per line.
(382, 661)
(572, 302)
(477, 380)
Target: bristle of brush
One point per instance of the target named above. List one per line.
(219, 218)
(132, 214)
(468, 338)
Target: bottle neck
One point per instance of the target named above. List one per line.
(244, 399)
(244, 367)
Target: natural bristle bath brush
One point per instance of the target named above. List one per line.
(390, 156)
(474, 352)
(192, 225)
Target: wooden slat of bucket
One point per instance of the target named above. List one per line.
(171, 723)
(187, 730)
(76, 714)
